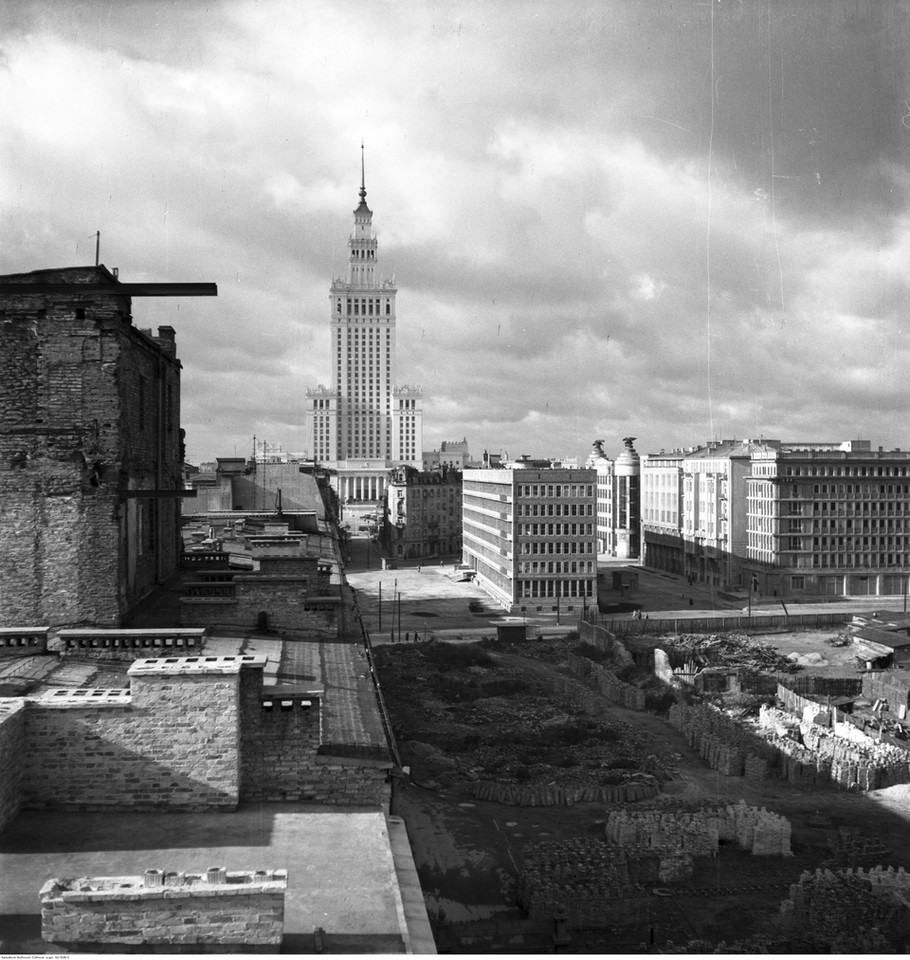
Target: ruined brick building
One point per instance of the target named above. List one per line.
(90, 447)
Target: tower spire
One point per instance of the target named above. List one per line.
(363, 181)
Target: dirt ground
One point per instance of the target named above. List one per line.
(469, 852)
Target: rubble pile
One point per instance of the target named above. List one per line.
(725, 649)
(606, 683)
(639, 788)
(844, 908)
(698, 833)
(594, 882)
(864, 763)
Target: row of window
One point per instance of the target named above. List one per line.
(365, 306)
(555, 510)
(549, 546)
(556, 490)
(556, 529)
(557, 566)
(555, 588)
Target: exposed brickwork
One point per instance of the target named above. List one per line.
(221, 909)
(88, 406)
(190, 733)
(289, 605)
(12, 750)
(173, 744)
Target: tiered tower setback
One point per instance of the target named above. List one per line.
(364, 416)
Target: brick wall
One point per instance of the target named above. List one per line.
(88, 406)
(172, 742)
(280, 752)
(180, 912)
(12, 751)
(284, 599)
(190, 734)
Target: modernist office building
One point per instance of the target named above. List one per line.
(529, 532)
(363, 424)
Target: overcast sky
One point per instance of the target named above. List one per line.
(662, 219)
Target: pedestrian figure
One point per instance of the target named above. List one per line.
(407, 638)
(691, 602)
(418, 568)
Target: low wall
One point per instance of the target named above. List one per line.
(734, 624)
(218, 910)
(601, 638)
(23, 641)
(12, 752)
(122, 644)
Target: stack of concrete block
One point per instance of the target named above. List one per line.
(697, 833)
(842, 907)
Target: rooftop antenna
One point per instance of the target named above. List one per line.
(97, 246)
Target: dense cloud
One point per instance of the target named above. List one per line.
(666, 220)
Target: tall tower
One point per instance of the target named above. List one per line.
(364, 416)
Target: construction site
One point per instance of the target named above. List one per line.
(658, 792)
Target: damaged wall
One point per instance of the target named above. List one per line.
(89, 406)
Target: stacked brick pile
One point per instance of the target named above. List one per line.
(606, 683)
(697, 833)
(594, 882)
(719, 740)
(868, 764)
(546, 796)
(842, 908)
(170, 910)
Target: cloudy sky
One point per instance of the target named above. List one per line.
(675, 220)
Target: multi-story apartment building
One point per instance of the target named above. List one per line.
(618, 501)
(829, 519)
(529, 531)
(423, 513)
(364, 423)
(91, 449)
(779, 517)
(694, 510)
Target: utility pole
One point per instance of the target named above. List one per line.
(380, 604)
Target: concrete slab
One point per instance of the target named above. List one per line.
(341, 869)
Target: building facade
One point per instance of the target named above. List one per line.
(423, 513)
(365, 422)
(781, 518)
(829, 519)
(618, 501)
(91, 449)
(529, 532)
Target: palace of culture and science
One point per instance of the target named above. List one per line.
(364, 424)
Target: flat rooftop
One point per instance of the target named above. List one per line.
(342, 873)
(350, 721)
